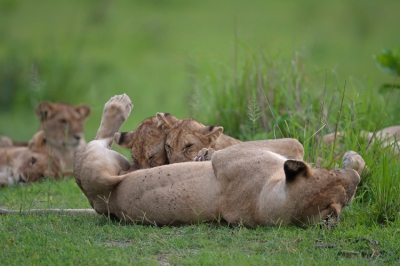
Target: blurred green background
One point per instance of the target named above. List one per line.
(84, 51)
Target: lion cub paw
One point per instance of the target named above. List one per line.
(204, 155)
(353, 160)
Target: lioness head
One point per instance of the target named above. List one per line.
(146, 144)
(318, 194)
(186, 137)
(63, 123)
(35, 162)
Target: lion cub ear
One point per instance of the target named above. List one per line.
(166, 121)
(294, 168)
(38, 142)
(5, 142)
(211, 133)
(124, 139)
(83, 110)
(44, 110)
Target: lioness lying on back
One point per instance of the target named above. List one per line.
(249, 183)
(63, 125)
(20, 165)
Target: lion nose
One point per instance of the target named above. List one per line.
(21, 180)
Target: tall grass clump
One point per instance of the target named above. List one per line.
(263, 88)
(266, 97)
(385, 189)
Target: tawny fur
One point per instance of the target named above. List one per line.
(63, 125)
(389, 136)
(186, 137)
(22, 165)
(249, 183)
(146, 144)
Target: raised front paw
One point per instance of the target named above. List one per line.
(115, 112)
(204, 155)
(118, 107)
(353, 160)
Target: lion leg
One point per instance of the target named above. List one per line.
(289, 148)
(96, 166)
(55, 211)
(115, 112)
(353, 160)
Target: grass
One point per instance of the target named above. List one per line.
(231, 65)
(49, 239)
(85, 51)
(367, 233)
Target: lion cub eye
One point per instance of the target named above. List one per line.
(188, 146)
(63, 121)
(151, 158)
(168, 147)
(33, 160)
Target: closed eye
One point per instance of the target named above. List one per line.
(151, 158)
(168, 147)
(63, 121)
(188, 147)
(33, 160)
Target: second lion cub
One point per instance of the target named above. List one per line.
(186, 137)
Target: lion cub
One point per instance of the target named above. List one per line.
(63, 125)
(186, 137)
(166, 139)
(146, 144)
(20, 165)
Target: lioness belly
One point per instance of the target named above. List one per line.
(172, 194)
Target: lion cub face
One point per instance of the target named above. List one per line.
(146, 144)
(63, 124)
(33, 163)
(319, 193)
(186, 137)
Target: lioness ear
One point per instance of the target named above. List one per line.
(295, 168)
(83, 110)
(166, 121)
(44, 110)
(124, 139)
(211, 133)
(38, 142)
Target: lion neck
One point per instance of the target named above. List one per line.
(65, 155)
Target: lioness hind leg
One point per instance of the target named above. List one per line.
(353, 160)
(115, 112)
(289, 148)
